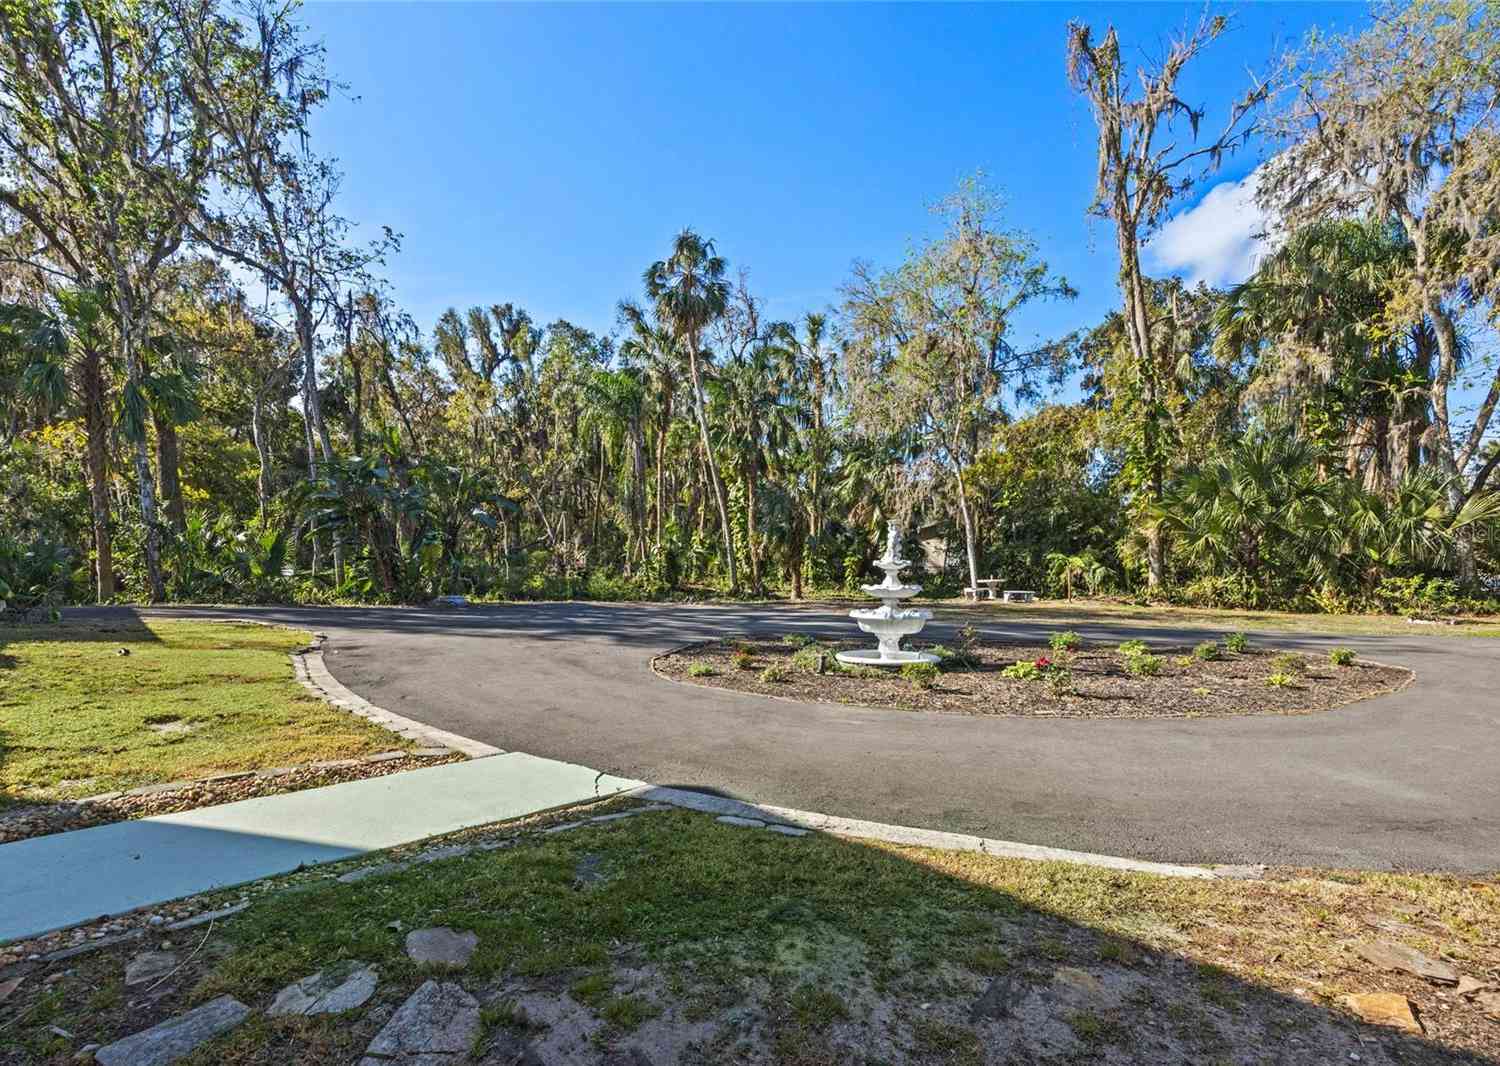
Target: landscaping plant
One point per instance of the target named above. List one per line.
(808, 659)
(1143, 665)
(922, 675)
(1289, 662)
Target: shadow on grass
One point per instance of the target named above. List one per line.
(687, 939)
(115, 625)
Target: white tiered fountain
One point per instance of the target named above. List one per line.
(889, 622)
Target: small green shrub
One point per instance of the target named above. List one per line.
(1066, 641)
(775, 673)
(1289, 662)
(1060, 682)
(796, 640)
(1022, 671)
(1281, 679)
(1143, 665)
(700, 670)
(1133, 647)
(922, 675)
(743, 660)
(808, 659)
(1207, 652)
(1184, 660)
(1341, 656)
(1237, 643)
(949, 659)
(869, 673)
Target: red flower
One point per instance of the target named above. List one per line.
(1043, 662)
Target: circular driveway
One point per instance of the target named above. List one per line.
(1408, 780)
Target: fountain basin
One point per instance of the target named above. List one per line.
(878, 657)
(891, 592)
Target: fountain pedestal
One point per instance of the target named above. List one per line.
(889, 622)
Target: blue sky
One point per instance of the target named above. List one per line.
(544, 155)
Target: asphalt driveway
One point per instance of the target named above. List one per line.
(1409, 780)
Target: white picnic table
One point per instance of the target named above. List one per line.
(991, 585)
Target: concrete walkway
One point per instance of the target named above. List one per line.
(55, 881)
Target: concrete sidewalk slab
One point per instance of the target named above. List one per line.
(55, 881)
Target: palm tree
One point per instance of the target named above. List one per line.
(63, 349)
(614, 409)
(690, 292)
(652, 347)
(755, 425)
(809, 369)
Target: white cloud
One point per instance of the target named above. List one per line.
(1217, 240)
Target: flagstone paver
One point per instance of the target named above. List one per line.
(441, 946)
(436, 1026)
(332, 991)
(176, 1037)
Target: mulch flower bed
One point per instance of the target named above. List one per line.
(23, 820)
(1088, 681)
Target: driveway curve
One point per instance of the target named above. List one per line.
(1409, 780)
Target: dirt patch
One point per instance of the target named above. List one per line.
(1087, 681)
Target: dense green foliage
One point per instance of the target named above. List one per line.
(167, 434)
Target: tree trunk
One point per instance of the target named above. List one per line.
(1447, 341)
(638, 487)
(971, 549)
(1138, 333)
(317, 430)
(156, 589)
(716, 483)
(262, 452)
(96, 461)
(750, 479)
(167, 472)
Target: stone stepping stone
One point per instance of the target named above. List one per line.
(176, 1037)
(1389, 955)
(743, 823)
(360, 873)
(788, 830)
(441, 946)
(1384, 1008)
(330, 991)
(436, 1026)
(149, 966)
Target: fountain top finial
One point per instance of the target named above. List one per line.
(892, 542)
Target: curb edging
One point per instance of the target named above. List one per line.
(909, 836)
(313, 674)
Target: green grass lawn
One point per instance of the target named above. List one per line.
(189, 700)
(700, 943)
